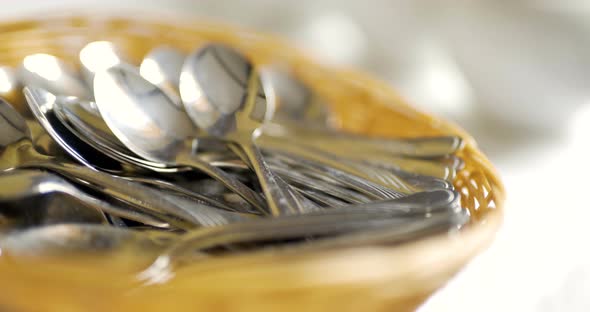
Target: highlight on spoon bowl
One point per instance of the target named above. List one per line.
(214, 85)
(162, 67)
(140, 115)
(50, 73)
(98, 56)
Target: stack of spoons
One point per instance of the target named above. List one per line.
(199, 155)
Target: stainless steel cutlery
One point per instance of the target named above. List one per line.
(190, 157)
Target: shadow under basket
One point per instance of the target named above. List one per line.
(388, 278)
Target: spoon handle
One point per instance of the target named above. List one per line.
(415, 229)
(296, 177)
(379, 176)
(194, 196)
(147, 199)
(280, 198)
(119, 211)
(333, 222)
(141, 197)
(232, 183)
(421, 147)
(309, 184)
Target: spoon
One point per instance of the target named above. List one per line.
(296, 102)
(345, 143)
(162, 67)
(315, 189)
(97, 56)
(374, 150)
(223, 95)
(84, 149)
(63, 239)
(89, 135)
(21, 184)
(78, 149)
(82, 132)
(18, 152)
(146, 121)
(94, 140)
(303, 114)
(400, 213)
(92, 130)
(44, 106)
(408, 231)
(44, 209)
(48, 72)
(303, 117)
(363, 178)
(36, 66)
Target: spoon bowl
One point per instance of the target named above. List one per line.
(296, 102)
(224, 96)
(18, 153)
(159, 131)
(50, 73)
(23, 184)
(162, 67)
(97, 56)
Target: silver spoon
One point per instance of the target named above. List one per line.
(296, 102)
(162, 67)
(426, 156)
(97, 56)
(421, 147)
(303, 114)
(71, 139)
(387, 181)
(43, 110)
(435, 224)
(83, 111)
(86, 135)
(223, 95)
(312, 188)
(43, 209)
(304, 119)
(418, 208)
(78, 149)
(89, 135)
(145, 120)
(42, 104)
(18, 152)
(65, 239)
(22, 184)
(48, 72)
(68, 83)
(95, 132)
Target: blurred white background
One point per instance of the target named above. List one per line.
(516, 74)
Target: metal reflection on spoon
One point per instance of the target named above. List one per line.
(162, 67)
(150, 125)
(224, 96)
(48, 72)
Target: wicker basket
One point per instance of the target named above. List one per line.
(396, 278)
